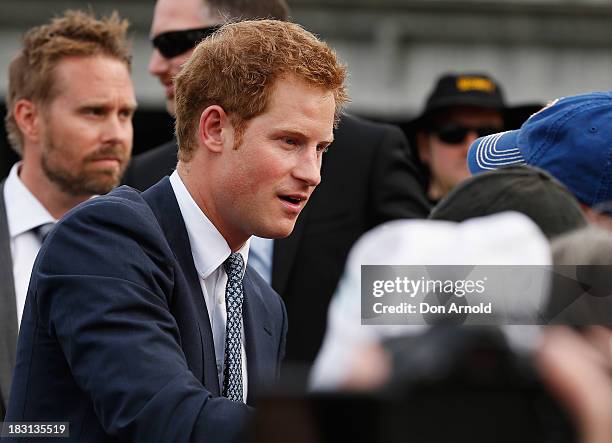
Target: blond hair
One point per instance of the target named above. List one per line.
(236, 69)
(75, 33)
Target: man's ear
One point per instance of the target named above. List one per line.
(215, 129)
(423, 146)
(27, 116)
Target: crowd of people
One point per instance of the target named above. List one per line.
(161, 310)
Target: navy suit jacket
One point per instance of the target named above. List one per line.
(115, 337)
(368, 177)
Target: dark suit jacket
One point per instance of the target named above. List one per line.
(368, 177)
(148, 168)
(115, 336)
(8, 309)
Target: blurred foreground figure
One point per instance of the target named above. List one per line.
(537, 391)
(143, 322)
(579, 375)
(70, 102)
(507, 239)
(571, 401)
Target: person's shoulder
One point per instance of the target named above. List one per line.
(147, 168)
(121, 196)
(122, 206)
(114, 235)
(164, 151)
(359, 135)
(356, 126)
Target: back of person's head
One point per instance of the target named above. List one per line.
(235, 10)
(581, 287)
(524, 189)
(590, 245)
(73, 34)
(569, 139)
(237, 67)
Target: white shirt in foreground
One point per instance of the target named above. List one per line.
(508, 238)
(210, 250)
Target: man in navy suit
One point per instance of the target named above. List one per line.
(368, 177)
(141, 323)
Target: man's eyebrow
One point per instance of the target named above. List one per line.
(93, 103)
(298, 133)
(293, 132)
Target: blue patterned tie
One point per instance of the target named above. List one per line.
(232, 372)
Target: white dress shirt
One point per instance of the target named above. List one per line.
(24, 213)
(210, 250)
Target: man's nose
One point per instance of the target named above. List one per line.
(118, 130)
(308, 168)
(158, 64)
(469, 139)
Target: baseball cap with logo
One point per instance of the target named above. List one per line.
(571, 138)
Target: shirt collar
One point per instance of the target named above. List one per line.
(208, 247)
(23, 211)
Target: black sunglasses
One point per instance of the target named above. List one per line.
(173, 43)
(455, 134)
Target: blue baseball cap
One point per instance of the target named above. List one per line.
(571, 139)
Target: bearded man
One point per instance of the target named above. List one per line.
(70, 103)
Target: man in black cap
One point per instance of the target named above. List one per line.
(461, 108)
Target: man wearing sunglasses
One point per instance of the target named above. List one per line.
(461, 108)
(177, 27)
(367, 178)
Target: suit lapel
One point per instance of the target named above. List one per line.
(8, 306)
(163, 202)
(257, 333)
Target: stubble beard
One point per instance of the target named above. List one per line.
(81, 182)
